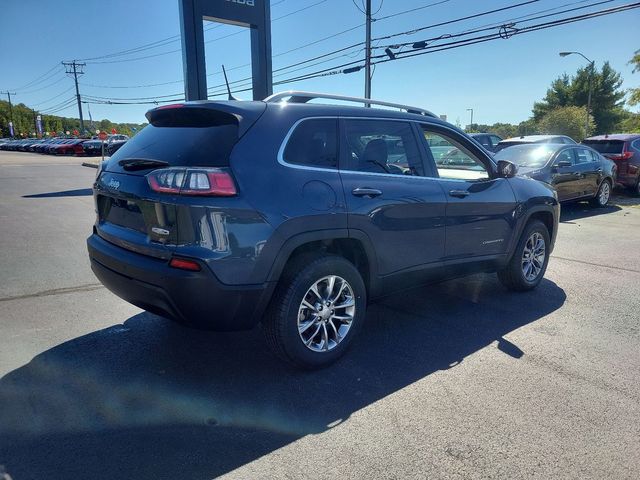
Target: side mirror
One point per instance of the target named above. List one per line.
(506, 169)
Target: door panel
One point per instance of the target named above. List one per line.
(387, 195)
(403, 216)
(480, 209)
(566, 180)
(480, 217)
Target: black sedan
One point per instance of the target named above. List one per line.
(575, 171)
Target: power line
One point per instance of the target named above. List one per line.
(207, 41)
(38, 79)
(149, 46)
(53, 98)
(492, 26)
(434, 4)
(502, 34)
(456, 20)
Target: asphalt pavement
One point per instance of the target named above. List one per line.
(457, 380)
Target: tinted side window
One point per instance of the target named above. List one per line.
(636, 144)
(314, 144)
(452, 159)
(583, 155)
(595, 157)
(495, 140)
(565, 156)
(382, 146)
(485, 142)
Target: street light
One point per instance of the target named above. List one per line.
(591, 65)
(470, 110)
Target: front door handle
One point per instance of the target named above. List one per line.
(366, 192)
(458, 193)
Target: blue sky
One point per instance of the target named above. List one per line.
(500, 80)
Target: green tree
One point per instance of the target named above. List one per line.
(634, 93)
(565, 121)
(607, 99)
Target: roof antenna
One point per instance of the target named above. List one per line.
(231, 97)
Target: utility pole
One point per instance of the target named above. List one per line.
(75, 68)
(10, 106)
(471, 124)
(367, 62)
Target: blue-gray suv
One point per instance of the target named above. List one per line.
(293, 215)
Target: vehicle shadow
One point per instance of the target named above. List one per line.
(151, 399)
(82, 192)
(577, 210)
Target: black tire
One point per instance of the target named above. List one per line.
(280, 325)
(512, 276)
(597, 201)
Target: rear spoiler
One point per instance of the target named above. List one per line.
(207, 114)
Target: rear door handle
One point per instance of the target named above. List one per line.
(458, 193)
(366, 192)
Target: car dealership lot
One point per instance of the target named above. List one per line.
(460, 379)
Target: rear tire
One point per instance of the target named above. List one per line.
(307, 323)
(602, 197)
(527, 266)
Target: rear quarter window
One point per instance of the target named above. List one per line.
(313, 143)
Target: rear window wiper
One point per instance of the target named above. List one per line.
(141, 164)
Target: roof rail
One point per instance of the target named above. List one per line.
(296, 96)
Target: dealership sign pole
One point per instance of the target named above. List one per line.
(253, 14)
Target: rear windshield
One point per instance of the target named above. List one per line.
(503, 145)
(605, 146)
(181, 146)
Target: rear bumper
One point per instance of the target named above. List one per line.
(196, 299)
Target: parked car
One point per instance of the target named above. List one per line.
(70, 147)
(487, 140)
(42, 147)
(624, 150)
(114, 142)
(557, 139)
(577, 172)
(93, 147)
(221, 215)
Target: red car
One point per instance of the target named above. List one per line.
(624, 150)
(73, 147)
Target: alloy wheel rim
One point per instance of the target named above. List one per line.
(533, 256)
(326, 313)
(604, 193)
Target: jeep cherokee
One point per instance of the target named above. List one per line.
(291, 214)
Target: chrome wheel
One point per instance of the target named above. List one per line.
(326, 313)
(533, 256)
(605, 192)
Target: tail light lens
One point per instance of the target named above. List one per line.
(214, 182)
(620, 156)
(184, 264)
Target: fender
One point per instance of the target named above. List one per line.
(527, 212)
(331, 234)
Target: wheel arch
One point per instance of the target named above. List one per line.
(356, 248)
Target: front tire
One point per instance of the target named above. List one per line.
(602, 197)
(317, 311)
(529, 262)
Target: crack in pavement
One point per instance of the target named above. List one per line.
(56, 291)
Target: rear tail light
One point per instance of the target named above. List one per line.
(213, 182)
(620, 156)
(184, 264)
